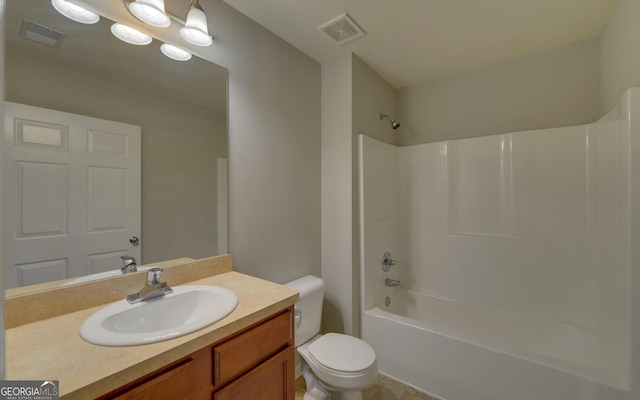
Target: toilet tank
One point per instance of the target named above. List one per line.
(308, 308)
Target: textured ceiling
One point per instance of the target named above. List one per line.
(415, 41)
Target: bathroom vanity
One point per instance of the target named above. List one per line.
(247, 354)
(257, 363)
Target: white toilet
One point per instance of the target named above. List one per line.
(335, 366)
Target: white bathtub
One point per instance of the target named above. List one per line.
(519, 262)
(417, 335)
(548, 342)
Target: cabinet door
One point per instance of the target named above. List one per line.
(271, 380)
(243, 352)
(177, 383)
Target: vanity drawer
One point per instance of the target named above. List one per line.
(243, 352)
(273, 379)
(176, 383)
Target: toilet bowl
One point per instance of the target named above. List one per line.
(340, 362)
(335, 366)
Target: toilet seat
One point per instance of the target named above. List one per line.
(334, 350)
(342, 353)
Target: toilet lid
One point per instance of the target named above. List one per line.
(342, 352)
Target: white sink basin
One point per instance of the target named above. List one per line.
(187, 309)
(99, 275)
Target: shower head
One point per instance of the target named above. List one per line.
(394, 124)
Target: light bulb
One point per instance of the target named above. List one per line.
(74, 12)
(195, 30)
(174, 52)
(130, 35)
(150, 11)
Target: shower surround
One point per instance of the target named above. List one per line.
(519, 275)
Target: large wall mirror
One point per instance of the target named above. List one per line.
(180, 108)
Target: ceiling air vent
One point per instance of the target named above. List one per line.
(41, 33)
(342, 29)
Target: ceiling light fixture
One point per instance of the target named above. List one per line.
(174, 52)
(130, 35)
(149, 11)
(195, 30)
(74, 12)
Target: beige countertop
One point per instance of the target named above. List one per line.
(52, 349)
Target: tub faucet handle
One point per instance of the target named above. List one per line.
(388, 262)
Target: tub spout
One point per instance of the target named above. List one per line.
(392, 282)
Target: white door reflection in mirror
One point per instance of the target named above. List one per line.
(58, 163)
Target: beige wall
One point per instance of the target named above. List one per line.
(274, 148)
(372, 95)
(352, 96)
(620, 52)
(274, 142)
(552, 88)
(180, 145)
(337, 184)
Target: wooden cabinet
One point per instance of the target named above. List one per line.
(257, 363)
(273, 379)
(177, 383)
(243, 352)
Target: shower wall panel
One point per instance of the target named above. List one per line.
(537, 224)
(504, 221)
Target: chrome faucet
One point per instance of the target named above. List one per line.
(392, 282)
(128, 264)
(153, 287)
